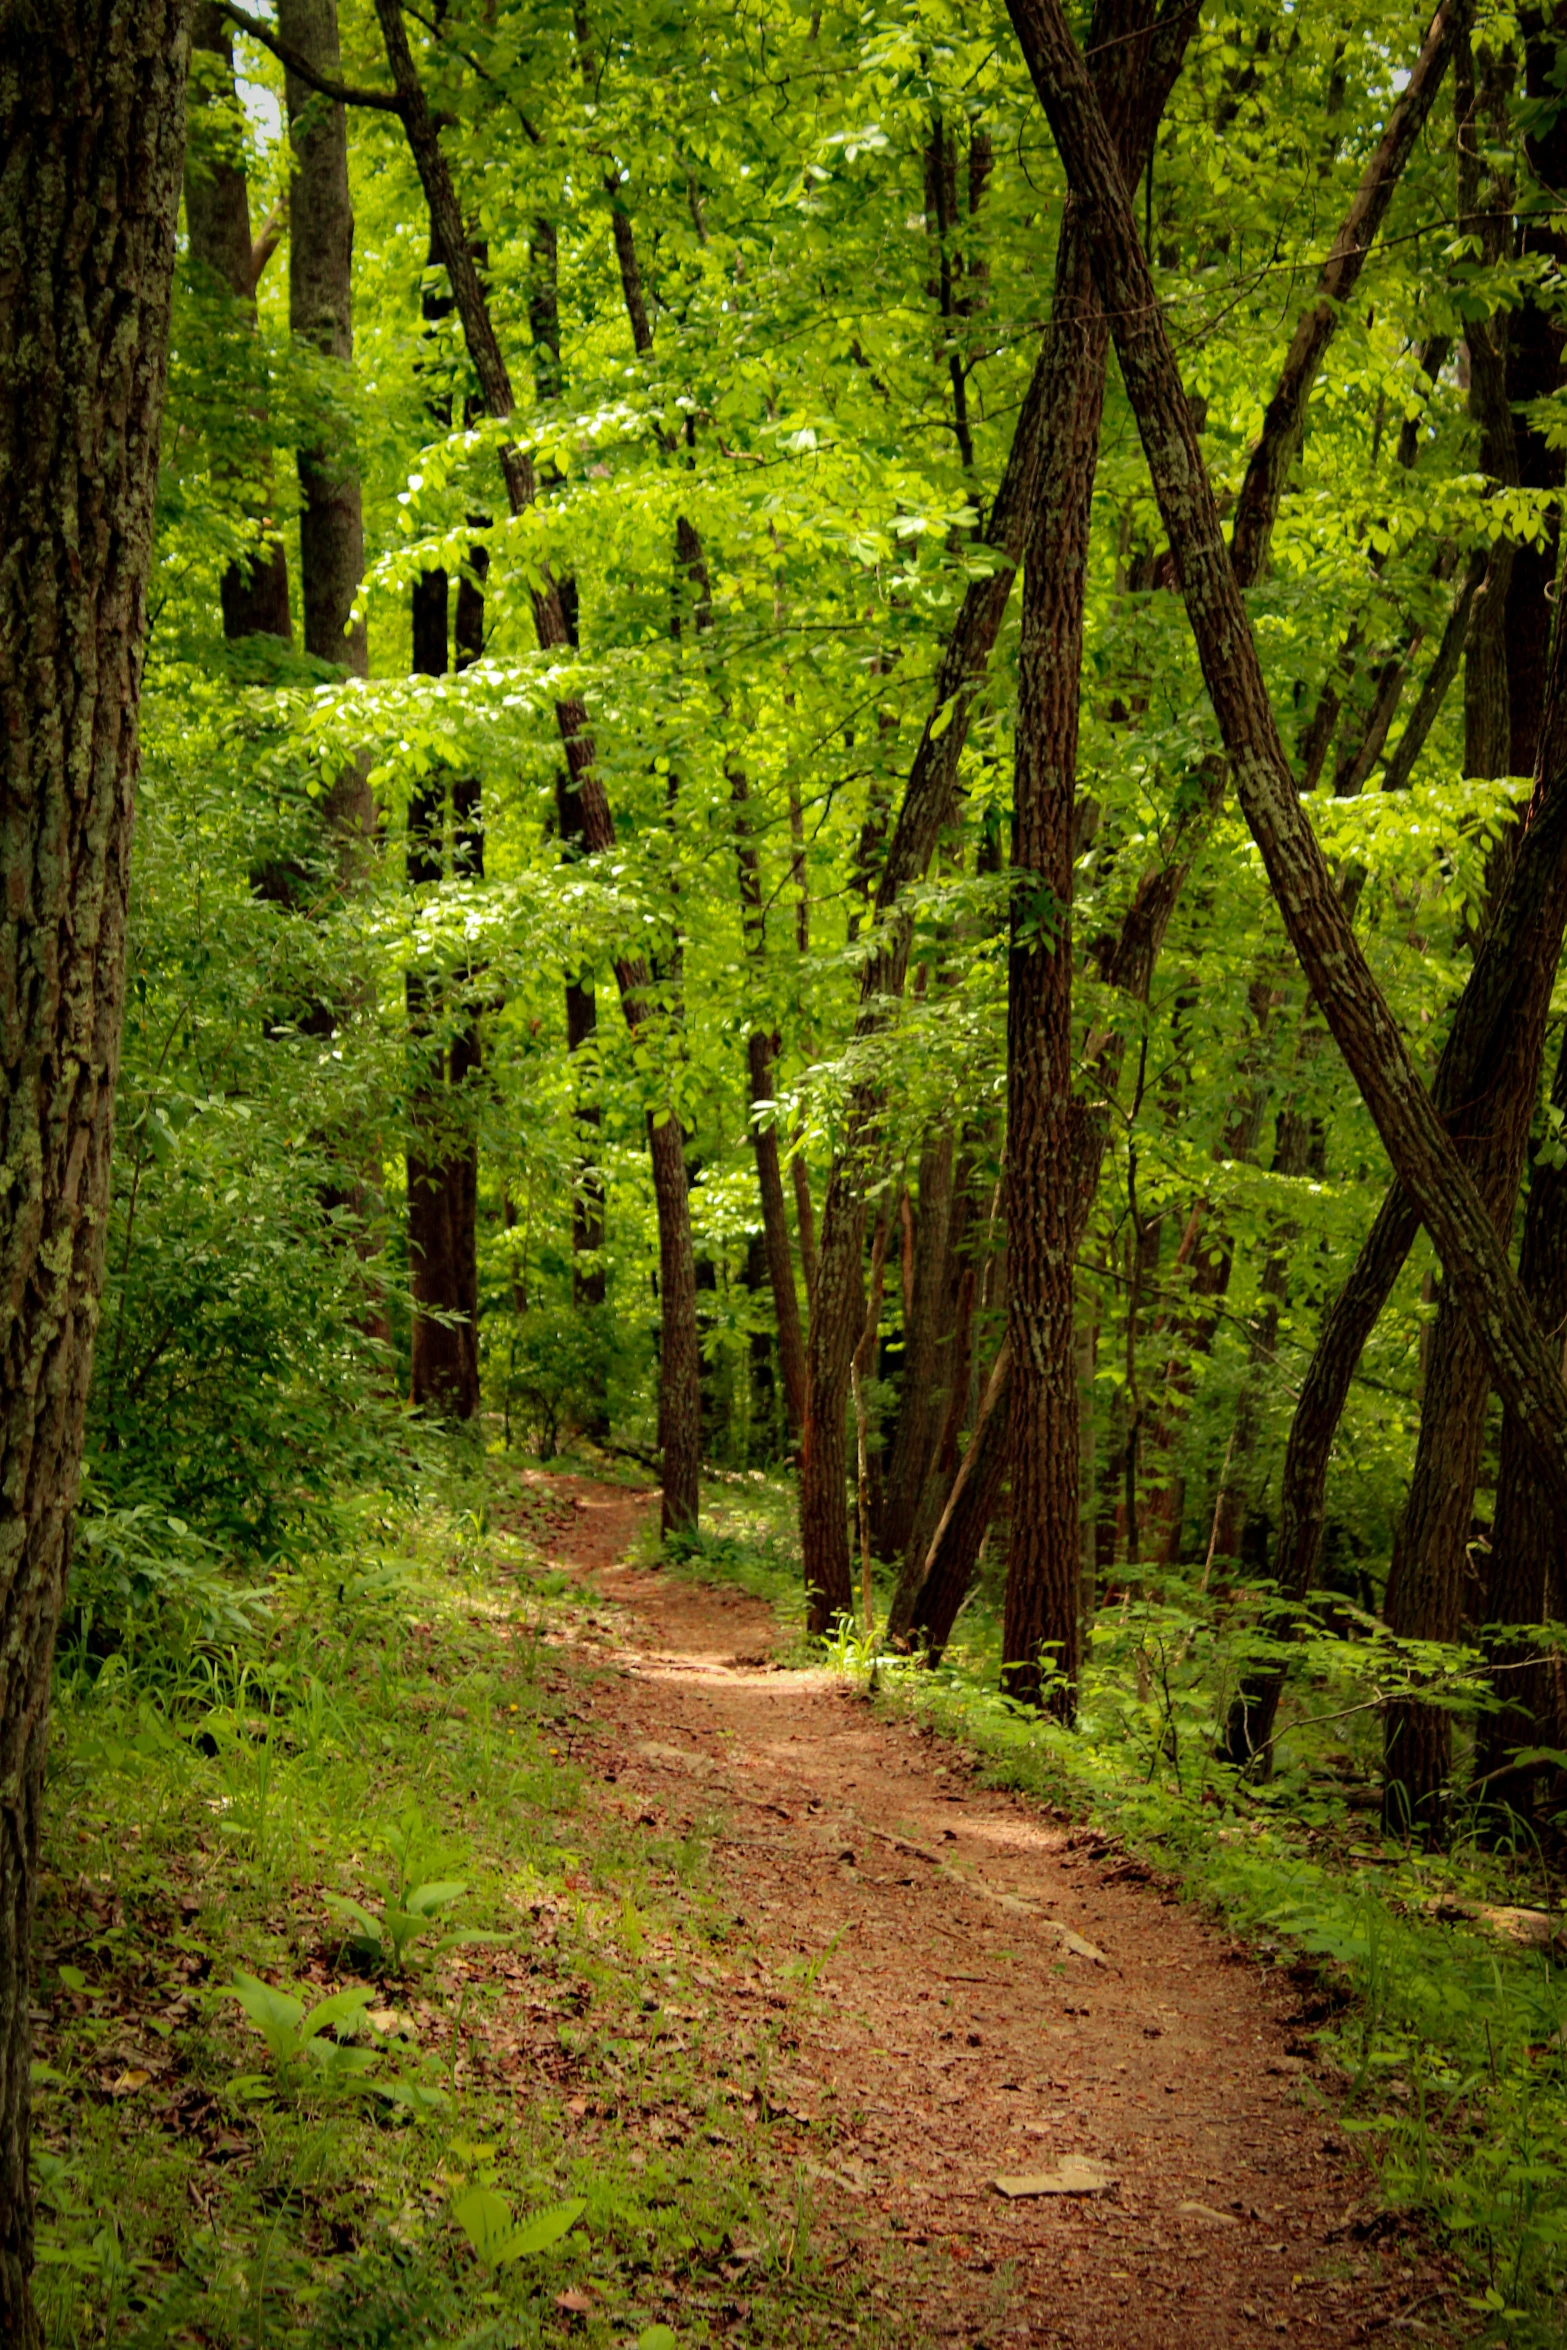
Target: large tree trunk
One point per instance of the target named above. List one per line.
(837, 1306)
(92, 118)
(1425, 1593)
(1525, 1577)
(1040, 1636)
(1522, 1364)
(1040, 1627)
(680, 1413)
(254, 590)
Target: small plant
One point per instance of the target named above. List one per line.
(297, 2041)
(296, 2037)
(380, 1943)
(409, 1911)
(485, 2219)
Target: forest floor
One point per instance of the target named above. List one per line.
(723, 1992)
(991, 1993)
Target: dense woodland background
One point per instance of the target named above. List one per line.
(688, 899)
(457, 1072)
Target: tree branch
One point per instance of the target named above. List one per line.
(344, 93)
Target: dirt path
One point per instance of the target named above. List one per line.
(971, 2034)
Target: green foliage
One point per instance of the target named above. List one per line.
(839, 357)
(485, 2219)
(291, 2034)
(382, 1941)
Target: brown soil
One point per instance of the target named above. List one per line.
(966, 2036)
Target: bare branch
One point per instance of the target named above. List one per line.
(345, 93)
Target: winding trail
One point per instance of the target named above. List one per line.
(997, 1993)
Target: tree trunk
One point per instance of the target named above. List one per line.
(1040, 1637)
(1522, 1364)
(1040, 1629)
(92, 121)
(254, 591)
(836, 1316)
(955, 1547)
(1425, 1593)
(321, 310)
(920, 1396)
(775, 1232)
(441, 1159)
(1525, 1577)
(680, 1357)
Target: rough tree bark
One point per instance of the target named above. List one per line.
(1040, 1622)
(1522, 1363)
(92, 123)
(254, 590)
(1525, 1574)
(1040, 1634)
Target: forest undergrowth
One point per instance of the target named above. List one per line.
(363, 2015)
(1431, 1981)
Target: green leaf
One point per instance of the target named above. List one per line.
(485, 2219)
(336, 2010)
(425, 1900)
(351, 1913)
(545, 2228)
(275, 2014)
(656, 2338)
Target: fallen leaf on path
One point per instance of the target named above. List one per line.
(1222, 2219)
(129, 2082)
(1076, 1944)
(577, 2301)
(674, 1754)
(1074, 2174)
